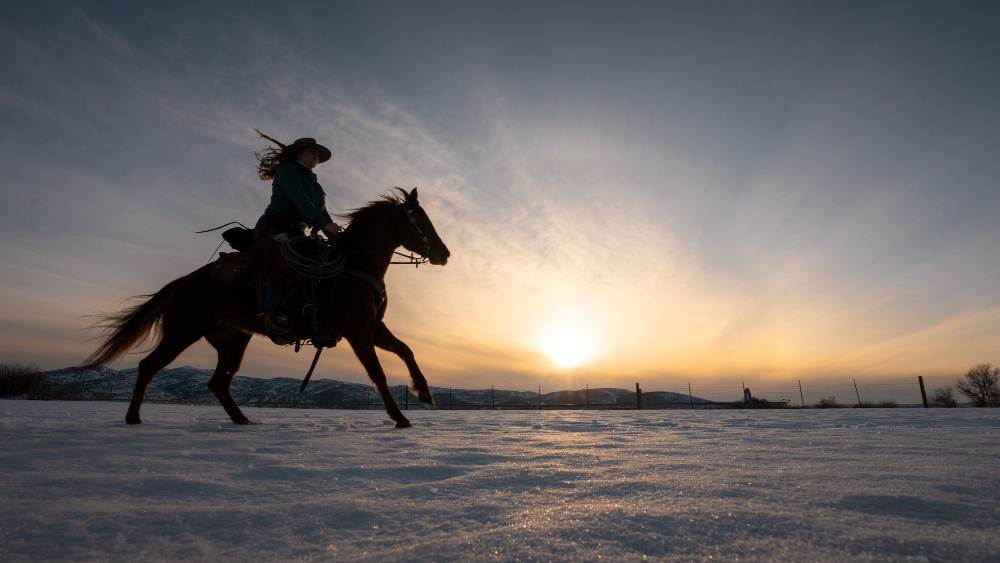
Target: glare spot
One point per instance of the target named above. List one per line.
(568, 346)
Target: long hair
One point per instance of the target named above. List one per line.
(269, 160)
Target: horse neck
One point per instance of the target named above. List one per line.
(370, 250)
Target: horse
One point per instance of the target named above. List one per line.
(194, 307)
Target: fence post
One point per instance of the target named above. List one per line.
(856, 392)
(539, 397)
(406, 391)
(923, 393)
(493, 398)
(82, 383)
(801, 396)
(588, 396)
(368, 401)
(690, 396)
(450, 402)
(638, 397)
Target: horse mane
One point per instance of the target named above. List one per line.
(370, 212)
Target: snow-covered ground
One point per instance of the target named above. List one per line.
(813, 485)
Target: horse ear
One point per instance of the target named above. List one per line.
(411, 197)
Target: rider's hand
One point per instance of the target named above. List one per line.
(333, 231)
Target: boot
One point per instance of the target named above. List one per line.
(274, 336)
(276, 320)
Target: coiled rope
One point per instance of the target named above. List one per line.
(309, 267)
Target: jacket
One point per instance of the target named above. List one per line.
(296, 194)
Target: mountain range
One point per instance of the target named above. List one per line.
(188, 385)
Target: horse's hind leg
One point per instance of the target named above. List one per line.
(165, 352)
(231, 344)
(385, 340)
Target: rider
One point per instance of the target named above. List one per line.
(297, 202)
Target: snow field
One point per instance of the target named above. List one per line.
(330, 485)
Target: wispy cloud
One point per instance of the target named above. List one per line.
(748, 213)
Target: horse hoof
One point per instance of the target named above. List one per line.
(245, 422)
(132, 419)
(427, 402)
(403, 424)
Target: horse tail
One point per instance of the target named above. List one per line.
(127, 328)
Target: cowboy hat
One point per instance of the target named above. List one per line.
(300, 145)
(309, 143)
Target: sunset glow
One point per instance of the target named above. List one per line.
(568, 346)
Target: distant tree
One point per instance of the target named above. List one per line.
(828, 403)
(943, 397)
(980, 385)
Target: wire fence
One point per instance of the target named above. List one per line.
(879, 395)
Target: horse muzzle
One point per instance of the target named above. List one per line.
(438, 257)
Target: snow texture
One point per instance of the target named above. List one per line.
(325, 485)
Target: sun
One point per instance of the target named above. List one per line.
(568, 346)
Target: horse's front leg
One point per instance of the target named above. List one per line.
(385, 340)
(364, 348)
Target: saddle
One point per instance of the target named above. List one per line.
(243, 268)
(232, 268)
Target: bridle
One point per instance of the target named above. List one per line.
(413, 221)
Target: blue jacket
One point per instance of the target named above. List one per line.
(296, 194)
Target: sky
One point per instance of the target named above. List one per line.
(712, 192)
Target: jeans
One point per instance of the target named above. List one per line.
(277, 291)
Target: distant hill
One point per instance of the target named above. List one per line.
(187, 384)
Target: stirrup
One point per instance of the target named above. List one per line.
(280, 340)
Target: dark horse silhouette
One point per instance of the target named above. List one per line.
(194, 307)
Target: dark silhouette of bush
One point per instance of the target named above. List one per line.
(19, 379)
(886, 404)
(757, 403)
(27, 380)
(980, 385)
(828, 403)
(943, 397)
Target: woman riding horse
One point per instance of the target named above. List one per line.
(194, 306)
(297, 199)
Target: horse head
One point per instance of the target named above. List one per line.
(416, 232)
